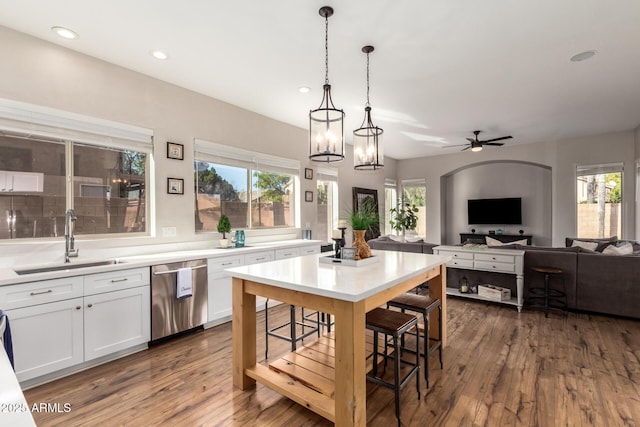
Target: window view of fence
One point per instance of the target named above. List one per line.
(599, 212)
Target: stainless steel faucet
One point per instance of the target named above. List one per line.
(69, 239)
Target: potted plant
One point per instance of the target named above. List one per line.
(224, 227)
(362, 220)
(403, 217)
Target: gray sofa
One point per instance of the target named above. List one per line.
(594, 282)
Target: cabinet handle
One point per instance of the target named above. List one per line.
(493, 258)
(89, 305)
(260, 259)
(226, 263)
(119, 280)
(41, 293)
(78, 307)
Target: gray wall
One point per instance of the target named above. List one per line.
(561, 156)
(499, 179)
(45, 74)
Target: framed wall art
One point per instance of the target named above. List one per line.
(308, 196)
(175, 151)
(308, 173)
(175, 185)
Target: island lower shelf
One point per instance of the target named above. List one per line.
(456, 293)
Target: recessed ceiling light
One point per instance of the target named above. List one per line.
(304, 89)
(158, 54)
(583, 56)
(65, 32)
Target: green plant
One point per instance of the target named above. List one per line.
(403, 217)
(224, 225)
(364, 218)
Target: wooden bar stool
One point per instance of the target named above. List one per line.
(548, 297)
(293, 337)
(394, 324)
(425, 305)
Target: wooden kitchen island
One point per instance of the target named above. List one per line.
(344, 291)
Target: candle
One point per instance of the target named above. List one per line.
(336, 234)
(342, 223)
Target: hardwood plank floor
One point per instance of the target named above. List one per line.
(501, 368)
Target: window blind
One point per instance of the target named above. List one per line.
(582, 170)
(21, 119)
(232, 156)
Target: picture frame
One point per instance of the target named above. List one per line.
(175, 151)
(308, 196)
(348, 253)
(175, 186)
(308, 173)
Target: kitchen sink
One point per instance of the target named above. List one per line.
(62, 267)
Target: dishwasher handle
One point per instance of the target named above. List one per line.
(158, 273)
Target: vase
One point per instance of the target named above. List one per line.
(362, 248)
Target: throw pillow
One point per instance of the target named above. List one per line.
(624, 249)
(396, 238)
(414, 239)
(590, 246)
(495, 242)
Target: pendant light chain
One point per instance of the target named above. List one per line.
(368, 104)
(326, 50)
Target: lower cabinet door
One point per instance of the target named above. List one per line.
(220, 298)
(46, 337)
(116, 321)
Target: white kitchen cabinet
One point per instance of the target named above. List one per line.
(115, 321)
(257, 258)
(13, 181)
(287, 253)
(47, 337)
(219, 297)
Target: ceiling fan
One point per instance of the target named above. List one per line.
(476, 145)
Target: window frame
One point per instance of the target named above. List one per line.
(599, 169)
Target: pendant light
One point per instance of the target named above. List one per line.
(367, 141)
(326, 123)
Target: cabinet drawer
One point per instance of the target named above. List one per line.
(457, 255)
(495, 258)
(460, 263)
(116, 280)
(286, 253)
(34, 293)
(258, 257)
(495, 266)
(216, 265)
(308, 250)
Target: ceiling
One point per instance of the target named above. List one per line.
(440, 69)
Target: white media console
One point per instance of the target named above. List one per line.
(505, 261)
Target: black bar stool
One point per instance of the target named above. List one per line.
(425, 305)
(394, 324)
(293, 337)
(548, 297)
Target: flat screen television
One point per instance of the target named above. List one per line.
(495, 211)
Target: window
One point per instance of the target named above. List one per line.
(599, 200)
(327, 186)
(51, 161)
(390, 201)
(256, 191)
(414, 192)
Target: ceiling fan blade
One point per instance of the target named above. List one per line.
(497, 139)
(470, 140)
(493, 143)
(466, 148)
(449, 146)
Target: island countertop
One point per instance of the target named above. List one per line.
(308, 274)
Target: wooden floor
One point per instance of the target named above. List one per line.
(501, 368)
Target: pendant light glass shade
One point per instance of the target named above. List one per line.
(326, 123)
(367, 145)
(367, 140)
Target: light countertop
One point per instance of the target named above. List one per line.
(8, 276)
(307, 274)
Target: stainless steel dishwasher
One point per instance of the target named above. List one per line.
(170, 314)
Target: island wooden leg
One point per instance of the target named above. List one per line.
(243, 329)
(350, 368)
(438, 290)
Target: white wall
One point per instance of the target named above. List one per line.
(532, 183)
(41, 73)
(561, 156)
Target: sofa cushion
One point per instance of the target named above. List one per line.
(625, 248)
(602, 243)
(491, 242)
(590, 246)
